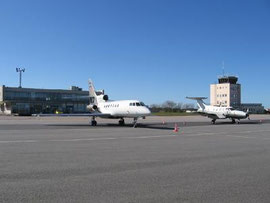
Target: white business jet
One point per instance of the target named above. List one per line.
(101, 106)
(216, 112)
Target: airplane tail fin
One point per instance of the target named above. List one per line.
(98, 96)
(199, 100)
(92, 92)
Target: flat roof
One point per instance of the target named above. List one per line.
(23, 89)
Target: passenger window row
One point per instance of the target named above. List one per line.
(137, 104)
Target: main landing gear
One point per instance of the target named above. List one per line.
(214, 121)
(93, 121)
(121, 122)
(233, 121)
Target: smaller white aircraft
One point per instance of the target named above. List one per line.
(216, 112)
(101, 106)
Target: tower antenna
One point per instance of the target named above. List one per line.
(223, 68)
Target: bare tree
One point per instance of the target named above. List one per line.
(179, 105)
(188, 106)
(155, 107)
(169, 105)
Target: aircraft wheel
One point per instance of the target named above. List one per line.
(233, 121)
(94, 123)
(122, 122)
(213, 121)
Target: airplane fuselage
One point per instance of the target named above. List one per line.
(222, 112)
(124, 108)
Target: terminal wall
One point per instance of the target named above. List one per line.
(27, 101)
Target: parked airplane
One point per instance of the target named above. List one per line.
(216, 112)
(101, 106)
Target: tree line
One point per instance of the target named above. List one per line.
(171, 106)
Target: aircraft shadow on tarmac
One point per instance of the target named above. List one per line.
(165, 126)
(157, 126)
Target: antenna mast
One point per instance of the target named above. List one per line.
(223, 68)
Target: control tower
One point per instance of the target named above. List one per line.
(226, 93)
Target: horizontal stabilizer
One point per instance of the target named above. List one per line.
(197, 98)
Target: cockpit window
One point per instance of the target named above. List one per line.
(134, 104)
(138, 104)
(130, 104)
(142, 104)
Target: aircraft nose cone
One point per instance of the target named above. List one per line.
(147, 111)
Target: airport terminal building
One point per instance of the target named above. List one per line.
(27, 101)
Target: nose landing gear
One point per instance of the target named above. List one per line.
(135, 122)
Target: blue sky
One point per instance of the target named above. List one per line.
(150, 50)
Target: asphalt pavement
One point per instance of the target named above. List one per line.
(54, 160)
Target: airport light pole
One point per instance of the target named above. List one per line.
(20, 71)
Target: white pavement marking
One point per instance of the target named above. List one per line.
(147, 137)
(258, 131)
(18, 141)
(201, 134)
(237, 136)
(141, 137)
(84, 139)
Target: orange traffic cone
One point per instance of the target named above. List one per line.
(176, 129)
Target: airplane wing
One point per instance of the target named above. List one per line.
(209, 115)
(96, 114)
(213, 116)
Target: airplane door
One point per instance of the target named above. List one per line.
(132, 109)
(129, 109)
